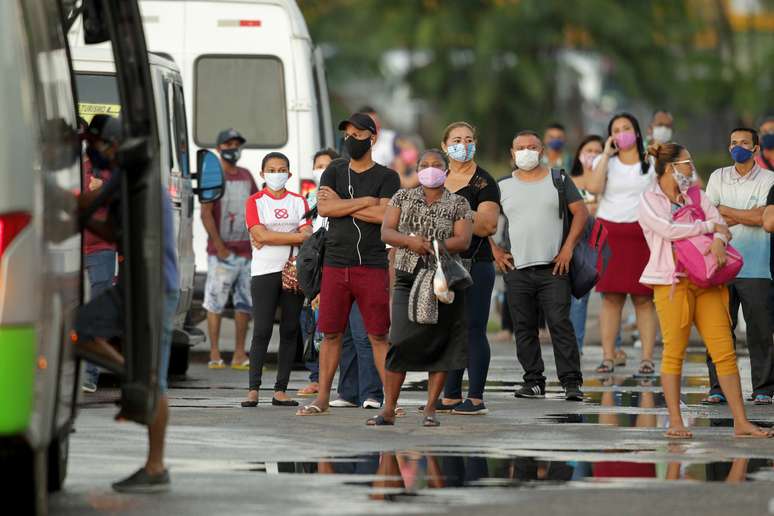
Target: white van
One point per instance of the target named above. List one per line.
(251, 65)
(97, 89)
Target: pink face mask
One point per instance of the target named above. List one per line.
(431, 177)
(625, 140)
(409, 156)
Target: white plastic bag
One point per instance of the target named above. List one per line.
(440, 287)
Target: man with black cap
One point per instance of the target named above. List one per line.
(353, 195)
(229, 252)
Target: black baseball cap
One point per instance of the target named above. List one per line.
(359, 120)
(105, 127)
(230, 134)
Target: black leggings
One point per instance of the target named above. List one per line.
(267, 296)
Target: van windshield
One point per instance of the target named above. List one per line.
(243, 92)
(97, 93)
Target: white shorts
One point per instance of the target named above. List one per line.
(224, 277)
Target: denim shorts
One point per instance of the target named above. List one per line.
(167, 326)
(224, 277)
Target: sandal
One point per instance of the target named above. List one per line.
(311, 410)
(607, 366)
(240, 366)
(310, 390)
(378, 421)
(430, 421)
(620, 358)
(647, 368)
(400, 412)
(714, 399)
(216, 364)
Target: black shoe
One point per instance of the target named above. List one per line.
(284, 403)
(468, 408)
(572, 392)
(440, 408)
(531, 391)
(142, 482)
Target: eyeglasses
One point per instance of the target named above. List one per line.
(690, 161)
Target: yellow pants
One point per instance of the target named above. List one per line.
(707, 308)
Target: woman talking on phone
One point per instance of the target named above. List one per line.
(620, 175)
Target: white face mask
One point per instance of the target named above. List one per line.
(317, 173)
(276, 180)
(526, 159)
(662, 134)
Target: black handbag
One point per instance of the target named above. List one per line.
(457, 275)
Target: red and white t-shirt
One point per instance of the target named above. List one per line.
(283, 214)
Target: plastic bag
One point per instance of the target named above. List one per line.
(440, 286)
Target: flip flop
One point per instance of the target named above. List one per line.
(430, 421)
(748, 436)
(714, 399)
(678, 437)
(604, 368)
(308, 391)
(244, 366)
(311, 410)
(400, 412)
(647, 368)
(216, 364)
(379, 421)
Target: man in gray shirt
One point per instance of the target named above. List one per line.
(537, 268)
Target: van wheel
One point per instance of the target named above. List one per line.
(178, 360)
(58, 452)
(23, 474)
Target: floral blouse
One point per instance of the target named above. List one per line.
(432, 221)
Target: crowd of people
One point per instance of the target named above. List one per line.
(387, 232)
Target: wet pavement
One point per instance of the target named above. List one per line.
(607, 454)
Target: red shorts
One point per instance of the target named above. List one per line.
(369, 286)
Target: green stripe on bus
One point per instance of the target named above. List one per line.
(17, 378)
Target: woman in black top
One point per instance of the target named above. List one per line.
(475, 184)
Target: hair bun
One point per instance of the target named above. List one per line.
(653, 149)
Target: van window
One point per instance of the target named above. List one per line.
(181, 130)
(97, 93)
(244, 92)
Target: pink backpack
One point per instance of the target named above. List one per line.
(702, 269)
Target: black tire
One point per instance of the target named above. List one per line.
(22, 476)
(58, 452)
(178, 360)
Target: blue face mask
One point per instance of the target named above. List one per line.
(555, 144)
(767, 141)
(461, 151)
(741, 155)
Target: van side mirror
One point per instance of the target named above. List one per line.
(210, 182)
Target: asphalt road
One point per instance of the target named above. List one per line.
(606, 455)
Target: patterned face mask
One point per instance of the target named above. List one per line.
(684, 182)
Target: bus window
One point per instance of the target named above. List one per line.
(244, 92)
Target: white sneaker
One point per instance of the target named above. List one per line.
(341, 403)
(371, 404)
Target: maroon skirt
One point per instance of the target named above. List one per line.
(629, 256)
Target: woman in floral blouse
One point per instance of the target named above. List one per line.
(414, 218)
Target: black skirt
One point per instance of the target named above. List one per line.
(426, 347)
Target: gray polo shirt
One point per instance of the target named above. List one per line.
(534, 226)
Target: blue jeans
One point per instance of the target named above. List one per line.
(477, 301)
(358, 377)
(167, 325)
(578, 311)
(101, 268)
(313, 367)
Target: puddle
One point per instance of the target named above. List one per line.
(637, 399)
(642, 420)
(412, 475)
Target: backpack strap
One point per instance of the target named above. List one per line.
(694, 194)
(558, 177)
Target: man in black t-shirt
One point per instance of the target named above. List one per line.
(353, 195)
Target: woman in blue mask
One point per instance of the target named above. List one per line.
(475, 184)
